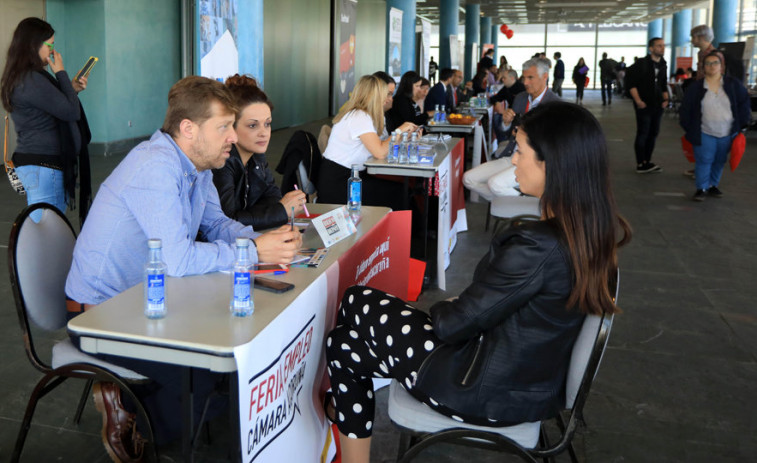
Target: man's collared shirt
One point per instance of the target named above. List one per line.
(532, 103)
(155, 192)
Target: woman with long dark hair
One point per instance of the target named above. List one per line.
(580, 71)
(498, 354)
(245, 185)
(405, 109)
(50, 124)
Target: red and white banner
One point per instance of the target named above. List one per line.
(282, 372)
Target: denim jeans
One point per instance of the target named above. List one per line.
(42, 185)
(606, 91)
(647, 128)
(710, 157)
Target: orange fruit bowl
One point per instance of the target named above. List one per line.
(461, 119)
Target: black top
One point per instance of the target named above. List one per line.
(405, 110)
(649, 78)
(508, 93)
(509, 336)
(248, 194)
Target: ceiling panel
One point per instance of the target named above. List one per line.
(565, 11)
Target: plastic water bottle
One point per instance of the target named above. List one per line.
(354, 191)
(402, 159)
(241, 304)
(155, 281)
(412, 149)
(443, 116)
(394, 147)
(437, 114)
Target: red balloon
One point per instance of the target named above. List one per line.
(503, 28)
(509, 34)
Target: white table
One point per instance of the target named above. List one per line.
(199, 331)
(426, 172)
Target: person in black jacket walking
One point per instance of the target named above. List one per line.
(245, 185)
(497, 354)
(647, 84)
(714, 110)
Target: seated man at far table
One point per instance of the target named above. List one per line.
(164, 189)
(495, 178)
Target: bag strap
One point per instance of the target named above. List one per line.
(8, 163)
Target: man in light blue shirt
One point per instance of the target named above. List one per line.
(164, 189)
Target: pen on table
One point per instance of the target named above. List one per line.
(307, 214)
(291, 227)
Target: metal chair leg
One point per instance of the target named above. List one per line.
(43, 387)
(83, 400)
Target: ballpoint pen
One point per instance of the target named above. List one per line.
(307, 214)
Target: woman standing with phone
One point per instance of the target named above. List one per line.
(51, 128)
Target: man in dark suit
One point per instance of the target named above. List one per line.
(440, 92)
(495, 178)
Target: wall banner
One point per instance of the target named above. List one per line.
(425, 46)
(346, 35)
(394, 58)
(219, 56)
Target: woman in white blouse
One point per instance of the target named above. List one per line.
(354, 139)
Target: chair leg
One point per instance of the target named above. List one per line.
(40, 391)
(83, 400)
(406, 441)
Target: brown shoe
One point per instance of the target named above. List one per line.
(122, 441)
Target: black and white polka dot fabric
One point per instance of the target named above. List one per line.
(377, 335)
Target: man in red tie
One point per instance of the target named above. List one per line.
(495, 178)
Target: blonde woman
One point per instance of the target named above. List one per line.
(354, 139)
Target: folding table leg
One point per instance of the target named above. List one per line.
(187, 414)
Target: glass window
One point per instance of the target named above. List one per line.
(622, 34)
(570, 34)
(523, 35)
(570, 56)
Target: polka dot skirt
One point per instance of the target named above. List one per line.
(377, 336)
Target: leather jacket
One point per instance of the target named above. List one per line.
(507, 339)
(248, 194)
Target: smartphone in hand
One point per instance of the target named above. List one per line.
(87, 68)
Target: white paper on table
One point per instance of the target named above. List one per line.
(334, 226)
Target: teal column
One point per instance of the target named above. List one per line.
(654, 29)
(250, 32)
(724, 14)
(495, 41)
(407, 54)
(486, 30)
(681, 37)
(448, 19)
(472, 35)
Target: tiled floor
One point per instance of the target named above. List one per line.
(676, 384)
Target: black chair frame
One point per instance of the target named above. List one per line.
(54, 377)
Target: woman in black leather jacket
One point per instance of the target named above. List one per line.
(245, 184)
(498, 354)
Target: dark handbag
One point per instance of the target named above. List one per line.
(10, 169)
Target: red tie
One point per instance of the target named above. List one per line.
(528, 105)
(454, 96)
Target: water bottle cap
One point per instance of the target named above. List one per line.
(243, 242)
(154, 243)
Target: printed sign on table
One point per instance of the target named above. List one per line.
(334, 226)
(277, 382)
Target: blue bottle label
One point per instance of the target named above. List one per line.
(355, 192)
(156, 290)
(241, 287)
(396, 150)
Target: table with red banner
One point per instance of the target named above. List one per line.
(446, 183)
(277, 352)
